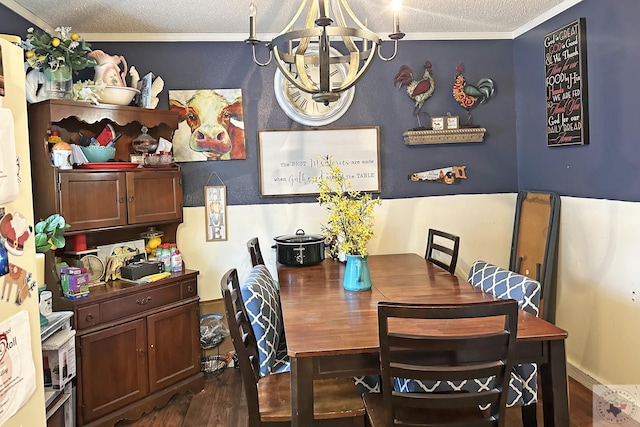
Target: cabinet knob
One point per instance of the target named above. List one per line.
(121, 199)
(143, 301)
(89, 318)
(132, 199)
(189, 288)
(141, 352)
(153, 347)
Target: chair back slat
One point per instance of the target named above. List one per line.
(409, 350)
(253, 246)
(443, 246)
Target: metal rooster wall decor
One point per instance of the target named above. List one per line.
(468, 95)
(418, 90)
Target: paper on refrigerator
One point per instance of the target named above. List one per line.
(17, 372)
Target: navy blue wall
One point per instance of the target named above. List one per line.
(609, 167)
(491, 165)
(11, 23)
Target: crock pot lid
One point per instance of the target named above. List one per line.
(299, 237)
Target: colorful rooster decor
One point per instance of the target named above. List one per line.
(467, 95)
(418, 90)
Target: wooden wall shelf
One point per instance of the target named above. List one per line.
(428, 136)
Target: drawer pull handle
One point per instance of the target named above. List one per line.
(143, 301)
(89, 317)
(189, 289)
(140, 352)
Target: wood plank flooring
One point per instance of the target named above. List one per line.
(222, 404)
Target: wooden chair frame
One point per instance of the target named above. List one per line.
(475, 352)
(452, 252)
(253, 245)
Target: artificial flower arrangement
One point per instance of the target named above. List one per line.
(50, 52)
(88, 91)
(350, 217)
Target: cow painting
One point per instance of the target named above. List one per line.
(211, 125)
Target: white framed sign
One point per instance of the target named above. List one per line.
(290, 159)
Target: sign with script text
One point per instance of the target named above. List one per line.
(291, 159)
(565, 53)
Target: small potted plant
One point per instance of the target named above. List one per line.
(50, 233)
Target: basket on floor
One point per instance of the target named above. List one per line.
(214, 365)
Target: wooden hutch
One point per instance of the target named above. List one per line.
(136, 345)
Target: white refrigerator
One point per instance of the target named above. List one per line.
(22, 402)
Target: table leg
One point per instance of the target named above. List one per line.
(555, 392)
(301, 392)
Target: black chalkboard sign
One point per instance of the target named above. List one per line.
(565, 53)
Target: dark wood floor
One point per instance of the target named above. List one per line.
(222, 404)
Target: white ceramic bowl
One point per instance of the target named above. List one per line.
(118, 95)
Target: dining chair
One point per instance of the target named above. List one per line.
(442, 249)
(438, 342)
(336, 401)
(261, 300)
(503, 283)
(253, 245)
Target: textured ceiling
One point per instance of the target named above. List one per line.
(140, 20)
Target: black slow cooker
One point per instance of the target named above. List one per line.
(300, 249)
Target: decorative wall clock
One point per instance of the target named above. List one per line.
(299, 105)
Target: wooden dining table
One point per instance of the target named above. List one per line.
(332, 332)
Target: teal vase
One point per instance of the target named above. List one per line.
(356, 275)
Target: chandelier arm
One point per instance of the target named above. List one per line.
(395, 51)
(261, 64)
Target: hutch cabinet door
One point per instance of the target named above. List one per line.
(93, 200)
(113, 369)
(154, 196)
(174, 345)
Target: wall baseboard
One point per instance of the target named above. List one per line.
(585, 379)
(589, 382)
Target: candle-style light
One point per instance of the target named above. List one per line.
(253, 11)
(396, 5)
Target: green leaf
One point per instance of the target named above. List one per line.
(58, 241)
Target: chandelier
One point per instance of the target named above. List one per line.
(321, 44)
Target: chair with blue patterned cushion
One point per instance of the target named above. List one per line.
(262, 304)
(410, 348)
(336, 401)
(523, 385)
(503, 283)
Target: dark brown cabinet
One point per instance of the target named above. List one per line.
(94, 200)
(137, 345)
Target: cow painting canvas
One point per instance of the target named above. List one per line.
(210, 126)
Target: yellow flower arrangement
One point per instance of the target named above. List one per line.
(350, 217)
(51, 52)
